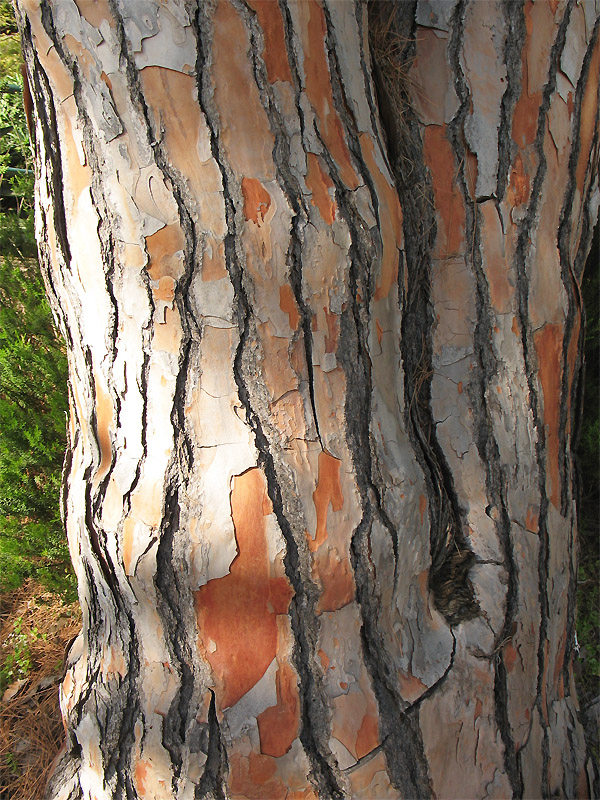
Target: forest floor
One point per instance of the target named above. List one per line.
(35, 628)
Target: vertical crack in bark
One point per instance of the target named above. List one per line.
(400, 733)
(525, 237)
(313, 709)
(450, 555)
(117, 726)
(514, 20)
(212, 783)
(286, 179)
(363, 244)
(98, 541)
(486, 443)
(175, 599)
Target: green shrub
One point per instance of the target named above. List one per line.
(33, 370)
(33, 377)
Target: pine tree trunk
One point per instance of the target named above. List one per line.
(322, 305)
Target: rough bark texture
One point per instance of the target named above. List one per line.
(323, 319)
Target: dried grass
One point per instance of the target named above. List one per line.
(36, 625)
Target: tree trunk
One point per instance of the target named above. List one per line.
(322, 306)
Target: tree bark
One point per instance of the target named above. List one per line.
(324, 326)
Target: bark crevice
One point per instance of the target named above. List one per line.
(314, 716)
(451, 556)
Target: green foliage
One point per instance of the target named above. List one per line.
(16, 165)
(32, 421)
(7, 19)
(33, 372)
(10, 53)
(18, 660)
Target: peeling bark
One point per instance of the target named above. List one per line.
(318, 266)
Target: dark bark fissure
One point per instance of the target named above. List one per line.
(212, 783)
(365, 250)
(294, 196)
(117, 723)
(450, 553)
(527, 226)
(304, 624)
(180, 731)
(287, 182)
(401, 736)
(514, 20)
(487, 368)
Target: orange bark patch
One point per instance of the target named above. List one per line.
(510, 656)
(140, 772)
(261, 768)
(278, 725)
(274, 52)
(162, 247)
(127, 543)
(319, 183)
(520, 184)
(589, 108)
(245, 129)
(496, 269)
(213, 261)
(379, 331)
(237, 612)
(106, 79)
(411, 687)
(337, 581)
(287, 303)
(548, 345)
(165, 290)
(422, 506)
(331, 337)
(104, 418)
(172, 99)
(257, 201)
(367, 738)
(324, 659)
(448, 199)
(318, 89)
(85, 60)
(167, 336)
(525, 115)
(248, 778)
(95, 13)
(532, 520)
(79, 175)
(328, 491)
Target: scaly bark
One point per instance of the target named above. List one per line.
(323, 319)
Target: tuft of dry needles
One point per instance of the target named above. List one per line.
(35, 627)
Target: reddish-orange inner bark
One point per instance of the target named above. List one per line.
(238, 611)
